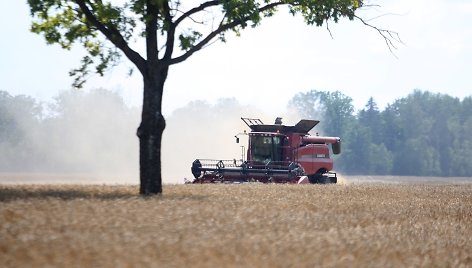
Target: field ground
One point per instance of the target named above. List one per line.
(396, 224)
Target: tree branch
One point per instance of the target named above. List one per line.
(220, 29)
(170, 33)
(329, 30)
(113, 35)
(196, 10)
(390, 37)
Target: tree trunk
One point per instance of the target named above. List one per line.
(150, 132)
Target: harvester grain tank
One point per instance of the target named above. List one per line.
(275, 154)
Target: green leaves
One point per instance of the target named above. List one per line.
(60, 27)
(316, 12)
(243, 11)
(65, 23)
(103, 27)
(80, 73)
(188, 40)
(106, 59)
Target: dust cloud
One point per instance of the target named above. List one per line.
(79, 137)
(90, 137)
(204, 131)
(342, 180)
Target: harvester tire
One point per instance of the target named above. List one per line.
(333, 180)
(315, 178)
(319, 178)
(196, 168)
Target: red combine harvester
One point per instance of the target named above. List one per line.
(276, 154)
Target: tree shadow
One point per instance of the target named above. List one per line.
(11, 193)
(68, 192)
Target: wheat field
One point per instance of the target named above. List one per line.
(249, 225)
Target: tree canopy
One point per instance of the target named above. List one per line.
(109, 29)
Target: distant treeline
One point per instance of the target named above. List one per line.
(423, 134)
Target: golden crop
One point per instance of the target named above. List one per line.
(250, 225)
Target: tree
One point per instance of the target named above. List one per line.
(20, 118)
(379, 159)
(355, 156)
(334, 109)
(429, 122)
(370, 117)
(106, 30)
(461, 151)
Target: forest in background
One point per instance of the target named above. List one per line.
(422, 134)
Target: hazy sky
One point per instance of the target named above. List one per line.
(267, 65)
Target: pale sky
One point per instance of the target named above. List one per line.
(268, 65)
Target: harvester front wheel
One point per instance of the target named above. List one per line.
(321, 178)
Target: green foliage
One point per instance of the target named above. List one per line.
(187, 41)
(237, 10)
(64, 23)
(336, 107)
(461, 150)
(318, 12)
(380, 159)
(106, 28)
(356, 143)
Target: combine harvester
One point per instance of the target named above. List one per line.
(276, 154)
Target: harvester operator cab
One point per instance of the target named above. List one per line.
(265, 148)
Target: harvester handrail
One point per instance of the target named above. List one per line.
(252, 121)
(220, 163)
